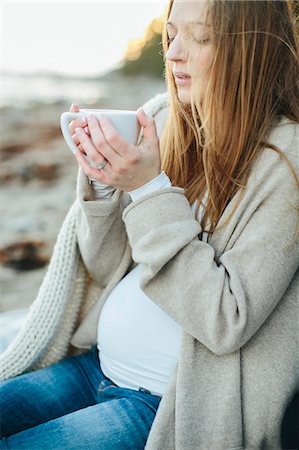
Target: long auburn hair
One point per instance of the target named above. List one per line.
(210, 146)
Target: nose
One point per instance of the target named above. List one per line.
(176, 50)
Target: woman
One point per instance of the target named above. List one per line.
(203, 354)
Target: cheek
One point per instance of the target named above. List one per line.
(203, 62)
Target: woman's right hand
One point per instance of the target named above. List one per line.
(81, 123)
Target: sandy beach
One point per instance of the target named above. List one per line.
(37, 182)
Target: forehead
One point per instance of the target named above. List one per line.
(186, 11)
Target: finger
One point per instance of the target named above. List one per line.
(81, 149)
(100, 175)
(80, 122)
(74, 107)
(148, 124)
(99, 141)
(77, 143)
(113, 138)
(93, 154)
(75, 137)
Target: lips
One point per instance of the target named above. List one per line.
(181, 75)
(182, 78)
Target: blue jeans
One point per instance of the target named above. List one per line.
(72, 405)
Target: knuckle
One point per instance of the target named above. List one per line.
(113, 139)
(74, 124)
(120, 170)
(99, 143)
(82, 137)
(134, 158)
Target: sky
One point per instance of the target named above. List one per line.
(71, 37)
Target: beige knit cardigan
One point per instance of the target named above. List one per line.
(235, 297)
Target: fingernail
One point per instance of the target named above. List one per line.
(78, 130)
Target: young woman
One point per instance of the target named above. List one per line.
(177, 267)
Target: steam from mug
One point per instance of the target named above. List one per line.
(125, 123)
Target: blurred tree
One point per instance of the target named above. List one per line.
(144, 55)
(295, 7)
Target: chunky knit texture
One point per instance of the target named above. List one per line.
(50, 305)
(235, 297)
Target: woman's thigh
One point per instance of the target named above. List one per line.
(37, 397)
(121, 423)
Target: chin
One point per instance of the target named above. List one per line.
(184, 97)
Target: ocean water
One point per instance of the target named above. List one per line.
(24, 90)
(112, 90)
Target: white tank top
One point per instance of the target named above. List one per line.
(138, 343)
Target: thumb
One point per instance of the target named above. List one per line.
(148, 124)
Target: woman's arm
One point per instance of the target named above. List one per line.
(220, 292)
(101, 234)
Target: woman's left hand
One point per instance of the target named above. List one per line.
(128, 166)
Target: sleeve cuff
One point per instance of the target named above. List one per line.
(101, 190)
(160, 182)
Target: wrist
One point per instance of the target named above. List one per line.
(159, 182)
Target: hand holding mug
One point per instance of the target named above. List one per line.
(111, 158)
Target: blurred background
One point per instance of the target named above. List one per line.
(97, 54)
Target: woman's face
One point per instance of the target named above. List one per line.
(191, 49)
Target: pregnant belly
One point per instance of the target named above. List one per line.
(138, 343)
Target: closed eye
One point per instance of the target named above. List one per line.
(201, 41)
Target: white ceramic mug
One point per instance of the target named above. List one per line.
(125, 123)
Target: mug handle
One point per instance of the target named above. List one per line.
(65, 119)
